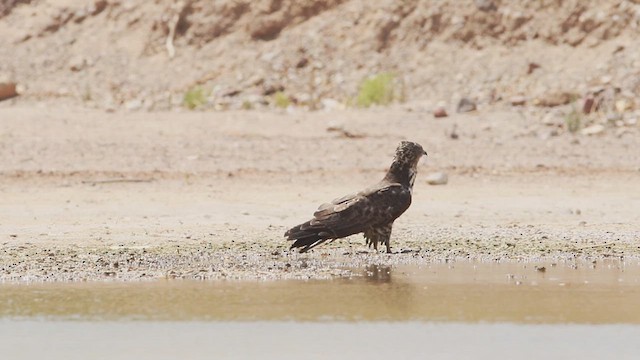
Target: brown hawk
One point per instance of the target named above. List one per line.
(371, 211)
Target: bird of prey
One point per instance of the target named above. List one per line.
(371, 211)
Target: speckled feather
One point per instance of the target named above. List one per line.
(371, 211)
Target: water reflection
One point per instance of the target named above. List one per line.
(444, 292)
(378, 274)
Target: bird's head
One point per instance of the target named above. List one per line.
(409, 153)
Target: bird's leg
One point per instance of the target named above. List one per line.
(385, 236)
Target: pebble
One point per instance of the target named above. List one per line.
(77, 63)
(485, 5)
(518, 100)
(593, 130)
(133, 105)
(622, 105)
(587, 104)
(554, 99)
(466, 105)
(331, 104)
(8, 90)
(440, 112)
(437, 178)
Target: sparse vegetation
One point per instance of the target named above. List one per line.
(247, 105)
(573, 120)
(194, 98)
(281, 100)
(376, 90)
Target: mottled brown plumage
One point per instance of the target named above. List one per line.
(371, 211)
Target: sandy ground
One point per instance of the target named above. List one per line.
(87, 195)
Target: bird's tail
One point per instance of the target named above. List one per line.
(307, 236)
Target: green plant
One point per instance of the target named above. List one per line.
(87, 95)
(247, 105)
(573, 120)
(376, 90)
(281, 100)
(194, 98)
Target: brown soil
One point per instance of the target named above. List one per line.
(110, 53)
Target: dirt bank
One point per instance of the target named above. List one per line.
(112, 54)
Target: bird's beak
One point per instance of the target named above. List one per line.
(425, 152)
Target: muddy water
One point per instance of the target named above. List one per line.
(585, 292)
(440, 311)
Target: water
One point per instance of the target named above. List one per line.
(466, 292)
(450, 310)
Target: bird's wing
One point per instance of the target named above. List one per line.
(355, 213)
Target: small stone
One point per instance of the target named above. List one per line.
(302, 63)
(532, 67)
(587, 104)
(77, 63)
(466, 105)
(8, 90)
(518, 100)
(622, 105)
(485, 5)
(440, 112)
(438, 178)
(554, 99)
(606, 79)
(331, 104)
(593, 130)
(133, 105)
(270, 89)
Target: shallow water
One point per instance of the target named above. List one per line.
(591, 293)
(70, 340)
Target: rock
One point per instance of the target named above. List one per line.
(466, 105)
(267, 28)
(593, 130)
(622, 105)
(133, 105)
(8, 90)
(518, 100)
(485, 5)
(440, 112)
(302, 63)
(77, 63)
(270, 89)
(554, 99)
(532, 67)
(331, 104)
(438, 178)
(587, 104)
